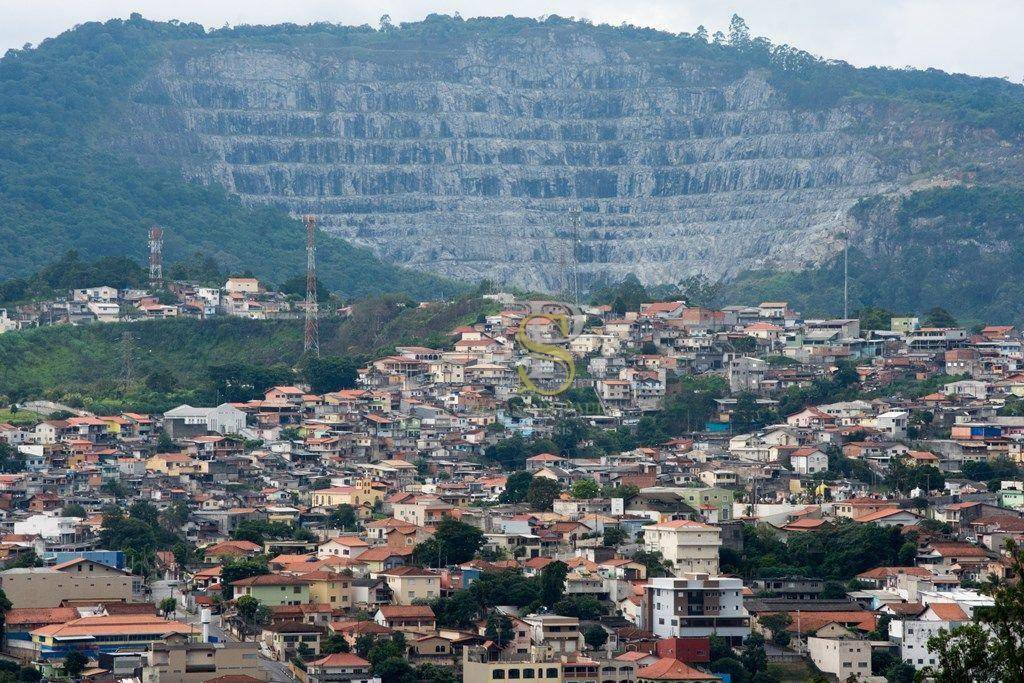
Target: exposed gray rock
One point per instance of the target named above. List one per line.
(468, 162)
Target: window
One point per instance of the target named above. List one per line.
(552, 673)
(498, 674)
(513, 673)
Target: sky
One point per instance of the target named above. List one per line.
(978, 37)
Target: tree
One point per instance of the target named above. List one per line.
(753, 656)
(905, 477)
(732, 666)
(582, 607)
(384, 650)
(11, 459)
(585, 489)
(542, 493)
(334, 644)
(168, 606)
(241, 568)
(552, 582)
(719, 648)
(29, 674)
(595, 636)
(739, 33)
(459, 610)
(874, 318)
(435, 673)
(747, 415)
(344, 517)
(296, 286)
(453, 542)
(776, 623)
(73, 510)
(499, 629)
(939, 317)
(614, 536)
(900, 672)
(655, 564)
(963, 655)
(510, 454)
(395, 670)
(364, 643)
(331, 373)
(75, 663)
(990, 648)
(833, 590)
(164, 443)
(649, 432)
(5, 607)
(517, 485)
(161, 381)
(247, 607)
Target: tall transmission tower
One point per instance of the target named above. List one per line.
(573, 276)
(311, 339)
(156, 257)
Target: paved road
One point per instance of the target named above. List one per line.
(277, 672)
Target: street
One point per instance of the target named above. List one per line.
(277, 672)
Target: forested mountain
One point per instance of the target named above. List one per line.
(467, 147)
(67, 182)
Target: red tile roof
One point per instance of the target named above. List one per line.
(668, 669)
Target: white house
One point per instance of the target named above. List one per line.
(893, 423)
(808, 461)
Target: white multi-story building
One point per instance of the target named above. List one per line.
(893, 423)
(843, 656)
(912, 634)
(689, 546)
(557, 635)
(696, 605)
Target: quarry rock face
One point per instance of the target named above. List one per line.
(484, 161)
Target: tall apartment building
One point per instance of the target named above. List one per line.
(689, 546)
(696, 605)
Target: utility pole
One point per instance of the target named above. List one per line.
(311, 337)
(156, 257)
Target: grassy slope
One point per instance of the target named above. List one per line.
(83, 365)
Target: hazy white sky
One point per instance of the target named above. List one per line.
(981, 37)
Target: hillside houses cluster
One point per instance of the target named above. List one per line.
(335, 496)
(244, 297)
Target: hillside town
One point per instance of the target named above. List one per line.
(243, 297)
(578, 494)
